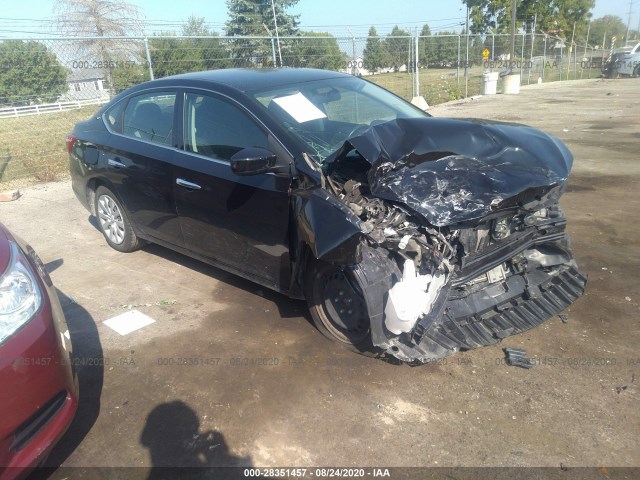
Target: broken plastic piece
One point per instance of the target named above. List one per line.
(411, 297)
(517, 358)
(564, 317)
(403, 243)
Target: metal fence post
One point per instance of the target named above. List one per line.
(522, 54)
(416, 64)
(493, 47)
(458, 63)
(146, 49)
(544, 57)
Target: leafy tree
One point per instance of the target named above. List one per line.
(445, 49)
(555, 17)
(171, 56)
(255, 18)
(606, 27)
(399, 48)
(29, 72)
(129, 74)
(101, 18)
(426, 47)
(317, 50)
(375, 52)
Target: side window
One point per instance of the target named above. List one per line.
(150, 117)
(113, 117)
(218, 129)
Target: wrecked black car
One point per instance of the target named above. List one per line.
(410, 237)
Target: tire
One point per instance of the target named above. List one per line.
(113, 222)
(636, 71)
(337, 307)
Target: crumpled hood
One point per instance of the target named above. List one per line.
(451, 170)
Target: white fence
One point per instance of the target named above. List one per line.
(42, 109)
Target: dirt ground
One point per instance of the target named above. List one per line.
(312, 403)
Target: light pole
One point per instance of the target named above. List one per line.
(275, 23)
(512, 54)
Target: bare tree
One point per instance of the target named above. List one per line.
(94, 19)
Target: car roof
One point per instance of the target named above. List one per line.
(246, 79)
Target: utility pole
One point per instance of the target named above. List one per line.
(466, 62)
(353, 52)
(626, 33)
(513, 35)
(585, 47)
(275, 23)
(273, 45)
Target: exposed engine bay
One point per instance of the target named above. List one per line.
(433, 288)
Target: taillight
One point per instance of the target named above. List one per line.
(71, 139)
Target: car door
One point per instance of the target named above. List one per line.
(240, 222)
(139, 161)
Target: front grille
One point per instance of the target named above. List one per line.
(29, 429)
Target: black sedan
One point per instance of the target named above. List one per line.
(409, 236)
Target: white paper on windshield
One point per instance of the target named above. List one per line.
(300, 108)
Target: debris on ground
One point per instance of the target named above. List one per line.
(621, 389)
(628, 299)
(564, 317)
(517, 358)
(10, 196)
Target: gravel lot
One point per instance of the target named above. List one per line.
(316, 404)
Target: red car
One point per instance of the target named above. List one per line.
(38, 387)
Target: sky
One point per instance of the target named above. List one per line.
(28, 18)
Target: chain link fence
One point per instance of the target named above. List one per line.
(48, 85)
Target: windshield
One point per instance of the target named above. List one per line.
(325, 113)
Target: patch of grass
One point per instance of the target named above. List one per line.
(35, 146)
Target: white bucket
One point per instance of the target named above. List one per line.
(511, 84)
(490, 83)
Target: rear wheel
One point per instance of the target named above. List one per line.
(113, 221)
(337, 306)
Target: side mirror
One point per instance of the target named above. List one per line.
(253, 161)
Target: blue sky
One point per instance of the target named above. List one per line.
(339, 17)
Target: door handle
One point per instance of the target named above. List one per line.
(114, 162)
(191, 186)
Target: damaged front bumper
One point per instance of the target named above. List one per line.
(539, 280)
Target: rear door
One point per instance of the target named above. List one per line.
(139, 162)
(241, 222)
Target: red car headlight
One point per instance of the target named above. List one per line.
(20, 295)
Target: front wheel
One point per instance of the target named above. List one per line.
(337, 306)
(113, 221)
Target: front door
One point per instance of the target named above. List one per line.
(238, 221)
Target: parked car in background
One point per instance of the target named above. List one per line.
(409, 236)
(38, 387)
(624, 61)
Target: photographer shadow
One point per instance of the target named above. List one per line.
(179, 450)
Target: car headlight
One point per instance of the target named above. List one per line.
(20, 295)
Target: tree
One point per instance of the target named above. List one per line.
(445, 49)
(29, 72)
(399, 48)
(556, 17)
(426, 46)
(255, 18)
(171, 56)
(317, 50)
(101, 18)
(606, 27)
(375, 52)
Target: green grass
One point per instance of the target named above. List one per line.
(35, 146)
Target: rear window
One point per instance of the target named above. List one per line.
(150, 117)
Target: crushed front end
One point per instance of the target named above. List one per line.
(444, 270)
